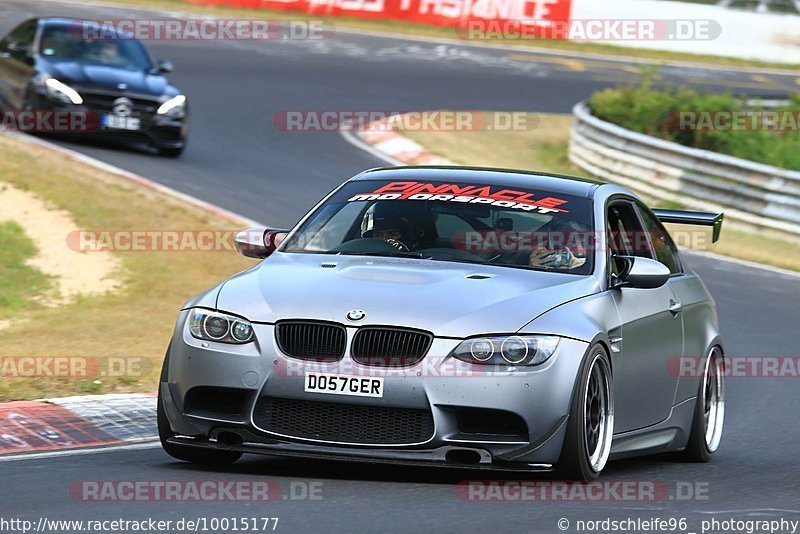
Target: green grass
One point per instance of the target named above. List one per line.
(20, 284)
(134, 321)
(404, 28)
(541, 147)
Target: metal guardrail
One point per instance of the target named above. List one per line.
(749, 193)
(763, 6)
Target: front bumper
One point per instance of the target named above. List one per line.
(443, 387)
(156, 130)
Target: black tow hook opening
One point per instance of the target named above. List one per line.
(229, 439)
(463, 457)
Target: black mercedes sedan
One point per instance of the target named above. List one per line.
(50, 64)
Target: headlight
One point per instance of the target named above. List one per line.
(62, 92)
(173, 107)
(215, 326)
(507, 350)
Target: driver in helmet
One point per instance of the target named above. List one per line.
(566, 246)
(385, 220)
(108, 52)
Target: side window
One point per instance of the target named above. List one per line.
(21, 38)
(337, 224)
(625, 233)
(665, 249)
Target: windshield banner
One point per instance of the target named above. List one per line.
(473, 194)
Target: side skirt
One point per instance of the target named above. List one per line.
(669, 435)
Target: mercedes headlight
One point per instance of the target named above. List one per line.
(507, 350)
(62, 92)
(221, 327)
(173, 107)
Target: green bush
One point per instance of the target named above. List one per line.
(656, 112)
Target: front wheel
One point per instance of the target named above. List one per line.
(590, 428)
(29, 104)
(709, 413)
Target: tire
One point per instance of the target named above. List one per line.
(590, 428)
(171, 152)
(709, 413)
(188, 454)
(30, 98)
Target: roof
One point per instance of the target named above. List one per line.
(568, 185)
(59, 21)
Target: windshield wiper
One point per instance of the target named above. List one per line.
(398, 254)
(421, 256)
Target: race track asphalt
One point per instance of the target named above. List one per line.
(238, 159)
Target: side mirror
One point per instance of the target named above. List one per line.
(259, 242)
(641, 273)
(20, 49)
(164, 66)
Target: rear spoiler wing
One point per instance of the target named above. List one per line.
(692, 217)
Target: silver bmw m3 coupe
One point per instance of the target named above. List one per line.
(453, 316)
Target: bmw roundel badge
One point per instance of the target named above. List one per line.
(356, 315)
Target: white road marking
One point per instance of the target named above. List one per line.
(353, 139)
(150, 444)
(459, 42)
(744, 263)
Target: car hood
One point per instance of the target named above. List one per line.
(447, 298)
(87, 76)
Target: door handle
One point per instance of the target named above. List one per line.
(675, 307)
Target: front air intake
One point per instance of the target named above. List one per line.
(390, 347)
(343, 423)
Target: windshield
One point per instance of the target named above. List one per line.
(460, 222)
(68, 44)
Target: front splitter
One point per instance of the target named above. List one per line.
(437, 457)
